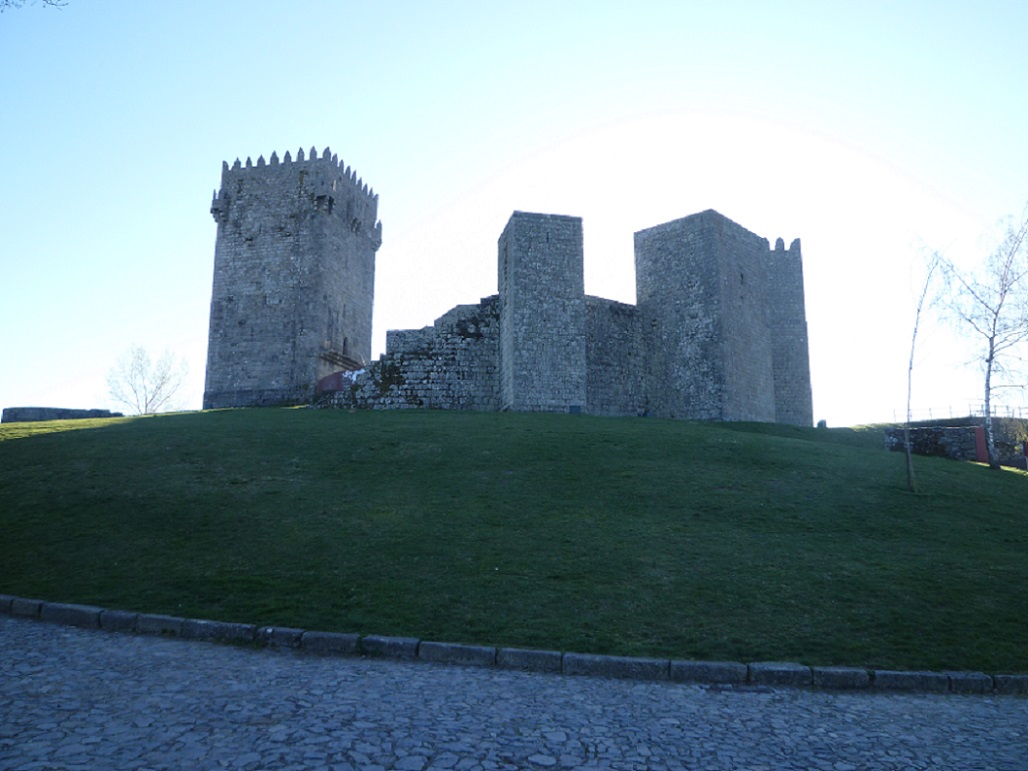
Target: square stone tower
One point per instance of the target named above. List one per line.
(542, 314)
(702, 292)
(294, 279)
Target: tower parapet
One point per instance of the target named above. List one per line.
(294, 273)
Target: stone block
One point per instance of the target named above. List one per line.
(1011, 684)
(390, 647)
(279, 636)
(616, 666)
(155, 623)
(24, 607)
(711, 672)
(118, 620)
(5, 602)
(780, 673)
(841, 677)
(457, 653)
(892, 680)
(224, 631)
(330, 643)
(529, 660)
(86, 616)
(969, 682)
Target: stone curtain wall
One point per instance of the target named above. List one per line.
(700, 344)
(789, 344)
(614, 358)
(542, 314)
(452, 365)
(294, 272)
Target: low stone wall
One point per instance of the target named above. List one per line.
(963, 442)
(36, 414)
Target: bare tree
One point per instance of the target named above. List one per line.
(933, 265)
(144, 387)
(991, 306)
(5, 4)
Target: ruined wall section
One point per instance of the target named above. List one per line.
(452, 365)
(294, 272)
(790, 347)
(542, 314)
(615, 358)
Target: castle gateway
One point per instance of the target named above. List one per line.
(718, 331)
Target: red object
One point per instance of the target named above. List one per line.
(981, 448)
(333, 382)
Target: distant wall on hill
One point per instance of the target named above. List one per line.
(36, 414)
(965, 442)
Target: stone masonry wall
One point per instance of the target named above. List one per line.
(748, 378)
(718, 331)
(294, 273)
(679, 301)
(710, 312)
(36, 414)
(453, 364)
(542, 314)
(789, 343)
(614, 358)
(965, 442)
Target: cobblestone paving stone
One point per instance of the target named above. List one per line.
(79, 699)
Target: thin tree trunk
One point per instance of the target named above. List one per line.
(990, 441)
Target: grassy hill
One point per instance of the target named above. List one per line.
(629, 536)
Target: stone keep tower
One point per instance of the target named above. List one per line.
(294, 279)
(723, 323)
(542, 314)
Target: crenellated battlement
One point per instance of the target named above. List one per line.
(304, 162)
(329, 184)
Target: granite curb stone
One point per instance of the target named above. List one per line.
(765, 673)
(329, 642)
(156, 623)
(894, 680)
(530, 660)
(710, 672)
(457, 653)
(224, 631)
(21, 606)
(279, 636)
(118, 620)
(780, 673)
(969, 682)
(841, 677)
(616, 666)
(390, 647)
(1011, 684)
(85, 616)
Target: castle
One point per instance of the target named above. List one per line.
(718, 331)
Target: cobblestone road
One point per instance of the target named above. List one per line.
(72, 698)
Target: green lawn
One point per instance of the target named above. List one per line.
(628, 536)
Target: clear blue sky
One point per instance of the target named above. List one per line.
(867, 130)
